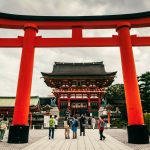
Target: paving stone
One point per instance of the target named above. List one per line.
(116, 139)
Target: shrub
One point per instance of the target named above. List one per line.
(147, 121)
(118, 123)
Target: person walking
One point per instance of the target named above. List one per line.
(51, 127)
(74, 127)
(101, 125)
(93, 123)
(67, 128)
(3, 127)
(89, 123)
(82, 125)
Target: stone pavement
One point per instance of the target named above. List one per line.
(116, 139)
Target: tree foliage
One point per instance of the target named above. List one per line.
(144, 86)
(115, 92)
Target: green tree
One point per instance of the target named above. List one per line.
(144, 86)
(115, 92)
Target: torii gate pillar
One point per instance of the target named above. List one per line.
(137, 131)
(19, 130)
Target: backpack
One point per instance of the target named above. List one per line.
(102, 124)
(51, 122)
(76, 123)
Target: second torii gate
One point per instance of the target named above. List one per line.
(137, 130)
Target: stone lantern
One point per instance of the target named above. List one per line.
(108, 108)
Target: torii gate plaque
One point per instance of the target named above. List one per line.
(137, 130)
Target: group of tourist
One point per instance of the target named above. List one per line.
(73, 123)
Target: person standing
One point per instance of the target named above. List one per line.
(51, 127)
(89, 123)
(67, 128)
(74, 127)
(101, 125)
(82, 125)
(3, 127)
(93, 123)
(68, 113)
(56, 121)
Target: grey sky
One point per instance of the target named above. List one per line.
(45, 58)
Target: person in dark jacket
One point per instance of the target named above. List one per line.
(82, 125)
(89, 123)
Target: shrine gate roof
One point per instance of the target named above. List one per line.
(78, 69)
(10, 101)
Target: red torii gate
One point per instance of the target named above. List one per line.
(137, 131)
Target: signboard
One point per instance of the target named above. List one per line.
(46, 121)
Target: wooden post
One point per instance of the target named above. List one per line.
(137, 131)
(21, 110)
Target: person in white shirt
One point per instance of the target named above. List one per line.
(56, 121)
(93, 122)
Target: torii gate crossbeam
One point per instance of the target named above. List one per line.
(137, 130)
(70, 42)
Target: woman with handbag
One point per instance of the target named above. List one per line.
(101, 125)
(67, 128)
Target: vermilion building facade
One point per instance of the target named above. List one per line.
(79, 87)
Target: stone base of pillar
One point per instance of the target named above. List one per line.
(138, 134)
(18, 134)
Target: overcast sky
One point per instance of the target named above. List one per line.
(45, 58)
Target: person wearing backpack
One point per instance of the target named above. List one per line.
(74, 127)
(101, 125)
(3, 127)
(51, 127)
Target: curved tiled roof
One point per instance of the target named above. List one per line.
(73, 69)
(10, 101)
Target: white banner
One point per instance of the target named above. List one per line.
(46, 121)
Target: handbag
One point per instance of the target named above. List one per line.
(83, 125)
(3, 126)
(66, 125)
